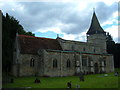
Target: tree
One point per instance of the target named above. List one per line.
(10, 26)
(117, 55)
(109, 37)
(30, 34)
(110, 44)
(113, 48)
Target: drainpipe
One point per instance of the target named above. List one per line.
(87, 64)
(61, 65)
(81, 62)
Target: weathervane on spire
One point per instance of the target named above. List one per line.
(57, 35)
(93, 9)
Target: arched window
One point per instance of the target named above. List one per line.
(94, 49)
(32, 61)
(68, 63)
(54, 63)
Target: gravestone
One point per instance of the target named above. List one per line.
(69, 84)
(81, 76)
(77, 87)
(37, 80)
(116, 73)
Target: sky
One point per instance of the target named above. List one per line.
(70, 19)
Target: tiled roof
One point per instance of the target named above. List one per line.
(31, 44)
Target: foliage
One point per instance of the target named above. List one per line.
(9, 28)
(91, 81)
(113, 48)
(23, 32)
(110, 44)
(109, 37)
(117, 55)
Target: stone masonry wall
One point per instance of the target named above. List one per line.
(80, 46)
(25, 68)
(61, 69)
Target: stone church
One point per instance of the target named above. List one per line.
(59, 57)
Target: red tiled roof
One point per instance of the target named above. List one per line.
(31, 44)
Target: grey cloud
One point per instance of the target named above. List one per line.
(104, 12)
(41, 15)
(44, 15)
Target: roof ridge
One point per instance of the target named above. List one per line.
(21, 35)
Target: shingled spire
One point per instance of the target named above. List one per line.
(95, 27)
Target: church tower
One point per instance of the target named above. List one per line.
(96, 34)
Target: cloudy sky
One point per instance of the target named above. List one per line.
(69, 18)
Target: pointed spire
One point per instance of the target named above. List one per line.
(95, 27)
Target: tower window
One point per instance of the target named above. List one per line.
(54, 63)
(68, 63)
(32, 62)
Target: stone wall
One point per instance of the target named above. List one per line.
(104, 62)
(110, 63)
(43, 65)
(80, 46)
(24, 61)
(61, 69)
(98, 39)
(15, 70)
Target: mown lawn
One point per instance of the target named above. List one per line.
(91, 81)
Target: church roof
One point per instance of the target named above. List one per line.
(31, 44)
(95, 27)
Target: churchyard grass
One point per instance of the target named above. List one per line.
(91, 81)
